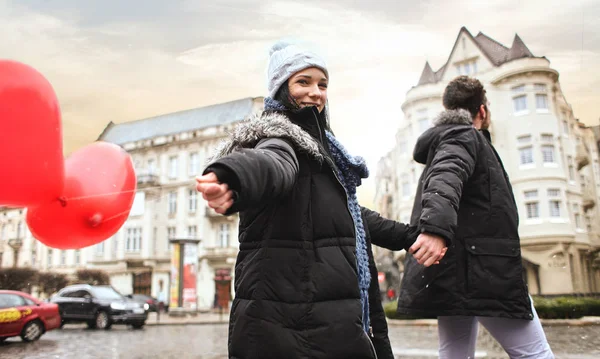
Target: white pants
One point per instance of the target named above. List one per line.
(520, 338)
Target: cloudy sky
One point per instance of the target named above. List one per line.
(115, 60)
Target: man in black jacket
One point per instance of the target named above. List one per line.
(465, 200)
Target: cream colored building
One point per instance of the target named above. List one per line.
(15, 237)
(551, 158)
(168, 152)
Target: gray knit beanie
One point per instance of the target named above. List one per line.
(287, 59)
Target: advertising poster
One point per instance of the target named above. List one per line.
(190, 271)
(174, 298)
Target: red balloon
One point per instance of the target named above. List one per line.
(100, 185)
(31, 158)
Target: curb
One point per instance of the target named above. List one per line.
(186, 323)
(582, 322)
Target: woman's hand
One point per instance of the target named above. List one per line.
(428, 249)
(218, 195)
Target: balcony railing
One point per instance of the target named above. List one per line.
(589, 198)
(220, 254)
(146, 179)
(582, 157)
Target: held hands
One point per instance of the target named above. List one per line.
(218, 195)
(428, 249)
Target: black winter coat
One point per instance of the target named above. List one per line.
(465, 196)
(296, 274)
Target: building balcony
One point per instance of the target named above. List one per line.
(212, 215)
(588, 199)
(582, 157)
(146, 179)
(220, 254)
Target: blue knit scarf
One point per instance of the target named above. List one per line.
(350, 170)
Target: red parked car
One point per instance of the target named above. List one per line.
(24, 316)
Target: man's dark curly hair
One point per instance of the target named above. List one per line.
(466, 93)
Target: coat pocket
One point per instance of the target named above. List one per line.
(494, 268)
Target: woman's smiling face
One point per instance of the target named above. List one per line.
(309, 88)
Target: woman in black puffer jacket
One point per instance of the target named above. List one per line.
(305, 280)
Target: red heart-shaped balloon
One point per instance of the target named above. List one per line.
(100, 185)
(31, 158)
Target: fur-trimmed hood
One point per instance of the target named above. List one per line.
(458, 117)
(248, 133)
(453, 117)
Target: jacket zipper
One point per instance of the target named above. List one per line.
(333, 169)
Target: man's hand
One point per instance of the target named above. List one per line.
(218, 195)
(428, 249)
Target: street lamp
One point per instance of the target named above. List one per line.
(15, 244)
(1, 251)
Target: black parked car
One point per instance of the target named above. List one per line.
(149, 303)
(98, 306)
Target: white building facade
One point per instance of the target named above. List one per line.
(168, 152)
(551, 158)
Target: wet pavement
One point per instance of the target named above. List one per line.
(209, 342)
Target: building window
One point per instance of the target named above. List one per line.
(152, 167)
(49, 259)
(548, 153)
(566, 128)
(423, 125)
(546, 137)
(571, 168)
(172, 202)
(224, 235)
(533, 210)
(532, 206)
(405, 186)
(554, 208)
(577, 216)
(193, 201)
(466, 68)
(192, 231)
(134, 240)
(553, 192)
(115, 246)
(541, 102)
(518, 89)
(173, 167)
(100, 248)
(154, 240)
(78, 257)
(63, 258)
(171, 232)
(423, 120)
(194, 164)
(519, 99)
(520, 103)
(541, 97)
(402, 147)
(523, 140)
(526, 155)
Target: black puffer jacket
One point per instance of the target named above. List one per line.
(465, 196)
(296, 277)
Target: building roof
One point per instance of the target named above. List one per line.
(177, 122)
(496, 52)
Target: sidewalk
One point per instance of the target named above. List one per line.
(199, 319)
(581, 322)
(215, 318)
